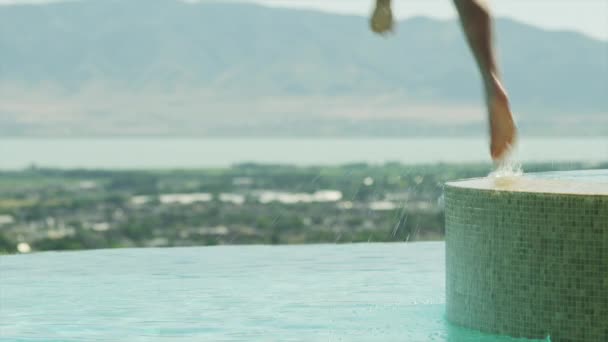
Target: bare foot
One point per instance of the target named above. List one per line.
(382, 18)
(502, 128)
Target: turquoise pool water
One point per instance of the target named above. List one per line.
(596, 176)
(363, 292)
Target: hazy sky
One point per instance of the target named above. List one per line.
(586, 16)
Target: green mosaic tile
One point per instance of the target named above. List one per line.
(528, 264)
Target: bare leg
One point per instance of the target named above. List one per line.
(477, 24)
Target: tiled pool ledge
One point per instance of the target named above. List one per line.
(564, 183)
(528, 256)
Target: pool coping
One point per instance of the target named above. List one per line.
(535, 184)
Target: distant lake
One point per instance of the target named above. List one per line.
(125, 153)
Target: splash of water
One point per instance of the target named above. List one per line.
(507, 168)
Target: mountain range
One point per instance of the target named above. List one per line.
(173, 68)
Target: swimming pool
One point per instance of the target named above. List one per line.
(361, 292)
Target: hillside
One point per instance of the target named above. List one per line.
(162, 67)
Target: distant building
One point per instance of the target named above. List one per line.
(6, 220)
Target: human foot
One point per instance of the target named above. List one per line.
(382, 18)
(502, 128)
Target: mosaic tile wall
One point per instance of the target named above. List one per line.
(528, 264)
